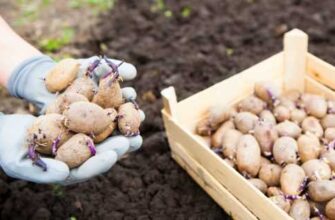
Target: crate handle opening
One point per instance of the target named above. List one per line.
(295, 56)
(170, 101)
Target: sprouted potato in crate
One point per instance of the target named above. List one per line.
(300, 158)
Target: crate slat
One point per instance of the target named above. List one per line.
(229, 91)
(251, 197)
(313, 86)
(321, 71)
(220, 194)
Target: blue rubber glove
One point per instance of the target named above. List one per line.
(27, 82)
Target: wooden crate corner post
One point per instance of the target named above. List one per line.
(170, 101)
(295, 59)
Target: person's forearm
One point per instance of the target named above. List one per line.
(13, 50)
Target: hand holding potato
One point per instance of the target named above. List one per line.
(37, 78)
(15, 162)
(29, 81)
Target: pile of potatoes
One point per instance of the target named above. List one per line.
(82, 114)
(284, 144)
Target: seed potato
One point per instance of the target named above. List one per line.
(329, 135)
(315, 105)
(129, 119)
(321, 190)
(298, 115)
(330, 209)
(268, 117)
(109, 93)
(266, 91)
(75, 151)
(270, 174)
(86, 117)
(61, 75)
(328, 156)
(229, 143)
(308, 147)
(312, 125)
(328, 121)
(281, 202)
(203, 127)
(217, 137)
(259, 184)
(317, 170)
(266, 135)
(63, 101)
(288, 128)
(265, 161)
(285, 150)
(84, 86)
(289, 104)
(45, 130)
(245, 121)
(248, 155)
(112, 114)
(219, 114)
(331, 106)
(281, 113)
(252, 104)
(300, 210)
(291, 179)
(274, 191)
(213, 119)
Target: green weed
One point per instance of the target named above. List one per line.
(29, 10)
(50, 45)
(96, 5)
(57, 190)
(186, 11)
(160, 6)
(229, 52)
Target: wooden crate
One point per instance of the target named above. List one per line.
(293, 68)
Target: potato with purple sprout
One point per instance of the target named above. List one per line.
(76, 150)
(82, 114)
(285, 146)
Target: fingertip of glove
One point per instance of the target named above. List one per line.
(58, 170)
(127, 71)
(129, 93)
(119, 144)
(142, 115)
(135, 142)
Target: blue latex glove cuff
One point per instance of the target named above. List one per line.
(27, 80)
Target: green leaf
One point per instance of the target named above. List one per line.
(186, 11)
(168, 13)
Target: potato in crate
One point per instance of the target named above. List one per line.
(261, 143)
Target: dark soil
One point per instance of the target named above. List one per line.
(217, 40)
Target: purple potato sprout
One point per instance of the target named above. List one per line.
(35, 157)
(91, 147)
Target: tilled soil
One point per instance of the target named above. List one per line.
(218, 39)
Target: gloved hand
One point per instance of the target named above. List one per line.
(27, 82)
(15, 162)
